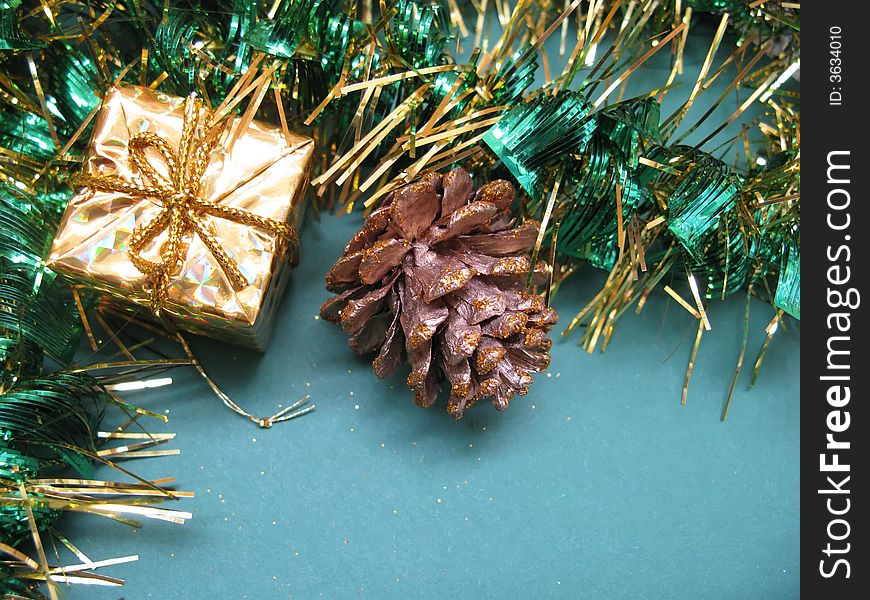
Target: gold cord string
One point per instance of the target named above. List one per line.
(284, 414)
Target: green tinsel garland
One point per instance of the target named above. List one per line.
(599, 175)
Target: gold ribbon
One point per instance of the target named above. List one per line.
(183, 208)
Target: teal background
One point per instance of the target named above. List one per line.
(598, 484)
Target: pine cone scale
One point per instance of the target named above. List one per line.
(501, 242)
(375, 225)
(415, 206)
(345, 272)
(391, 352)
(357, 312)
(467, 218)
(381, 258)
(460, 340)
(458, 188)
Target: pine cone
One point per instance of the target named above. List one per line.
(440, 270)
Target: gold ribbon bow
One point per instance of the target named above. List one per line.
(183, 208)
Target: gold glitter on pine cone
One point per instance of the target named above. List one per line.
(439, 272)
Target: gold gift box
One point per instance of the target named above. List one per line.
(264, 173)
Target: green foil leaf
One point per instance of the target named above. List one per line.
(540, 133)
(281, 35)
(418, 33)
(788, 289)
(590, 211)
(32, 297)
(703, 191)
(11, 36)
(48, 416)
(14, 523)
